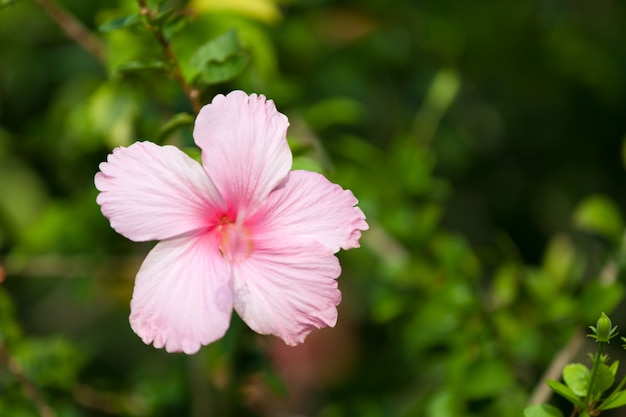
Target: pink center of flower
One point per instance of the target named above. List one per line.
(235, 240)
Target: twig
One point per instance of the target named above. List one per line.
(192, 94)
(30, 389)
(73, 28)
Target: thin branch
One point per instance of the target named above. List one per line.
(73, 28)
(192, 94)
(29, 387)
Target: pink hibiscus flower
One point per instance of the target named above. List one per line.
(241, 231)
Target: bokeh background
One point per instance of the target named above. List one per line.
(484, 141)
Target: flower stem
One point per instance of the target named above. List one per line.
(192, 93)
(73, 28)
(596, 364)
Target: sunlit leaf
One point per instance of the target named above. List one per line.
(616, 399)
(217, 49)
(215, 72)
(576, 377)
(603, 380)
(559, 258)
(6, 3)
(219, 60)
(599, 214)
(443, 404)
(264, 10)
(505, 285)
(542, 410)
(111, 112)
(564, 391)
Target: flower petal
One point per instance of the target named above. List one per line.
(151, 192)
(183, 295)
(244, 147)
(287, 289)
(310, 207)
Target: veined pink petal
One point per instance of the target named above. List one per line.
(244, 147)
(309, 207)
(183, 294)
(287, 289)
(151, 192)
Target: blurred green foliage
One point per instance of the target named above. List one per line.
(483, 141)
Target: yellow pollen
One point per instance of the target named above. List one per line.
(235, 240)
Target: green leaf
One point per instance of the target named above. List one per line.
(616, 399)
(599, 214)
(603, 380)
(177, 121)
(142, 65)
(559, 258)
(7, 3)
(173, 25)
(219, 59)
(267, 11)
(216, 72)
(217, 49)
(122, 22)
(576, 377)
(565, 392)
(505, 285)
(542, 410)
(111, 113)
(164, 17)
